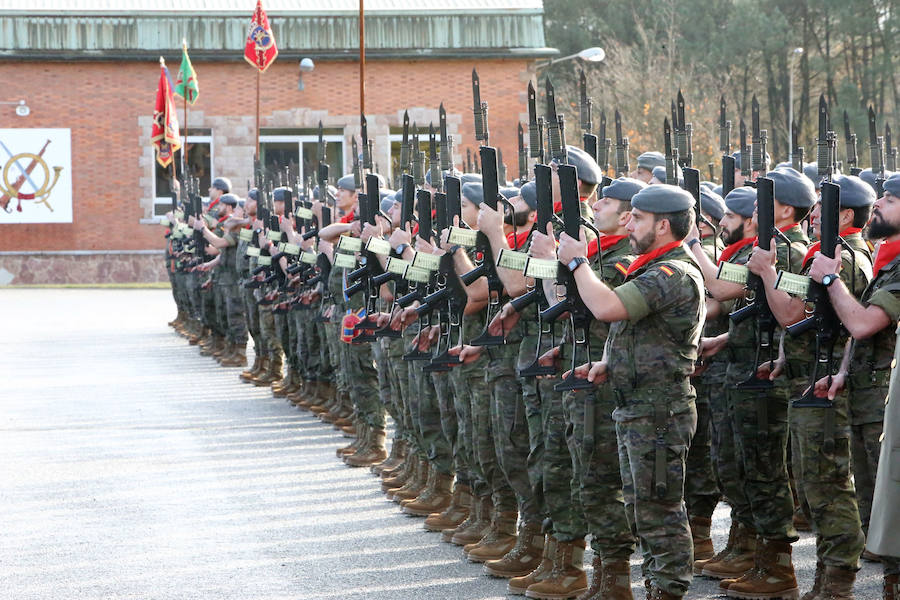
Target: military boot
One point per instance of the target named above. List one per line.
(474, 527)
(655, 593)
(248, 374)
(838, 584)
(773, 576)
(818, 580)
(199, 336)
(700, 533)
(455, 513)
(402, 475)
(272, 373)
(238, 357)
(567, 578)
(891, 587)
(353, 446)
(611, 581)
(726, 551)
(373, 452)
(281, 388)
(434, 499)
(214, 343)
(736, 562)
(393, 465)
(413, 486)
(226, 350)
(430, 475)
(303, 387)
(500, 539)
(519, 585)
(321, 392)
(523, 558)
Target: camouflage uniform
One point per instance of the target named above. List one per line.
(247, 299)
(466, 382)
(820, 443)
(231, 303)
(650, 358)
(870, 369)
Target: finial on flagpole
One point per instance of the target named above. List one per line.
(162, 61)
(184, 43)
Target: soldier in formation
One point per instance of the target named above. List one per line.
(587, 355)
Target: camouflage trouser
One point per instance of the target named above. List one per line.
(511, 442)
(597, 477)
(449, 429)
(820, 439)
(309, 355)
(382, 370)
(867, 418)
(701, 490)
(230, 310)
(426, 415)
(761, 424)
(267, 330)
(250, 309)
(335, 351)
(722, 408)
(363, 383)
(463, 451)
(533, 391)
(192, 284)
(489, 477)
(208, 309)
(179, 294)
(285, 330)
(326, 372)
(398, 377)
(654, 433)
(558, 477)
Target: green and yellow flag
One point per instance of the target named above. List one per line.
(186, 83)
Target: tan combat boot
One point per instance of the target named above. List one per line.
(518, 586)
(394, 458)
(773, 576)
(396, 480)
(455, 513)
(474, 527)
(723, 553)
(430, 475)
(614, 581)
(500, 539)
(225, 351)
(655, 593)
(838, 584)
(237, 358)
(281, 388)
(212, 344)
(567, 578)
(248, 374)
(818, 580)
(413, 486)
(523, 558)
(355, 444)
(700, 533)
(373, 452)
(272, 373)
(891, 587)
(434, 499)
(199, 336)
(737, 562)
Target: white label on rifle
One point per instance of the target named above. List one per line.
(308, 257)
(274, 236)
(378, 246)
(292, 249)
(304, 213)
(344, 261)
(179, 215)
(264, 261)
(164, 222)
(462, 237)
(793, 284)
(252, 251)
(417, 274)
(281, 246)
(349, 244)
(541, 268)
(246, 235)
(397, 266)
(515, 261)
(733, 273)
(185, 229)
(430, 262)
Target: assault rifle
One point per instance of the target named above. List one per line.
(621, 148)
(683, 135)
(418, 290)
(850, 142)
(876, 153)
(369, 205)
(757, 141)
(587, 121)
(889, 151)
(796, 149)
(535, 127)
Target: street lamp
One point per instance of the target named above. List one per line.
(794, 54)
(593, 54)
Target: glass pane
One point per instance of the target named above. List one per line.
(199, 165)
(280, 160)
(334, 156)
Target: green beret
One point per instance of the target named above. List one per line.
(662, 198)
(792, 188)
(648, 160)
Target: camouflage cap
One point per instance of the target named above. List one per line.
(651, 159)
(662, 198)
(741, 201)
(793, 188)
(623, 188)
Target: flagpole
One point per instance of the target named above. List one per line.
(258, 76)
(362, 59)
(184, 96)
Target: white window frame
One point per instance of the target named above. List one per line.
(193, 139)
(304, 139)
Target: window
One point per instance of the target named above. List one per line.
(200, 160)
(287, 156)
(396, 139)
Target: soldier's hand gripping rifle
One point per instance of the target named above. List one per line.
(418, 290)
(587, 120)
(850, 143)
(758, 309)
(876, 153)
(579, 316)
(371, 268)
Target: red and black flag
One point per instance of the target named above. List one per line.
(165, 136)
(260, 49)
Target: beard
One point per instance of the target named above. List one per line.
(734, 236)
(641, 245)
(519, 219)
(879, 229)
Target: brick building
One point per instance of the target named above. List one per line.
(87, 71)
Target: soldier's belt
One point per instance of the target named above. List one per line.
(869, 379)
(629, 395)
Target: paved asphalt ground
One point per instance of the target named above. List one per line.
(132, 467)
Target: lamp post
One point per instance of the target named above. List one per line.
(593, 54)
(790, 124)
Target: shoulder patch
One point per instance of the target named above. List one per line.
(666, 270)
(623, 269)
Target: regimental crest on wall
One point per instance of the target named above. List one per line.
(35, 176)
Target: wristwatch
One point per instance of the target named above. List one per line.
(401, 248)
(692, 241)
(576, 262)
(827, 280)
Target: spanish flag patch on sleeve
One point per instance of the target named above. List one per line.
(666, 270)
(623, 269)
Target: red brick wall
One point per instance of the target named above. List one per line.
(101, 103)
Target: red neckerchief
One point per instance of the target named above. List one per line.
(213, 203)
(517, 240)
(222, 219)
(643, 259)
(348, 217)
(606, 242)
(815, 247)
(887, 252)
(734, 248)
